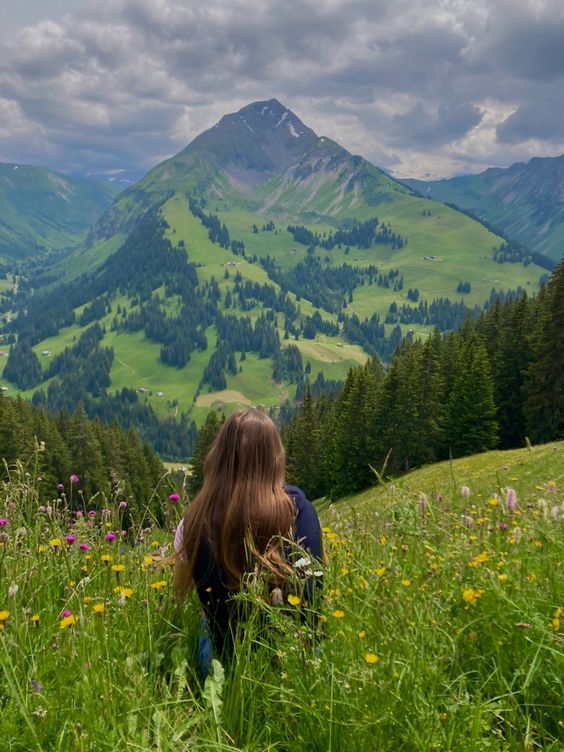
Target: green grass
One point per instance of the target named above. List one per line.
(440, 627)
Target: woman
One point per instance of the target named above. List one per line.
(242, 518)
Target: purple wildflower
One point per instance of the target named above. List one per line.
(511, 499)
(92, 513)
(503, 525)
(105, 512)
(174, 497)
(3, 521)
(66, 612)
(79, 513)
(70, 539)
(468, 521)
(60, 487)
(36, 686)
(123, 504)
(75, 478)
(84, 546)
(42, 509)
(110, 537)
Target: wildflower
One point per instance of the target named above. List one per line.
(293, 600)
(4, 616)
(371, 658)
(65, 612)
(159, 584)
(74, 478)
(470, 595)
(304, 561)
(92, 513)
(174, 497)
(55, 542)
(36, 686)
(99, 609)
(406, 582)
(465, 491)
(67, 621)
(106, 558)
(123, 592)
(380, 572)
(443, 716)
(510, 499)
(493, 501)
(60, 487)
(338, 614)
(35, 618)
(84, 546)
(123, 504)
(41, 548)
(503, 577)
(423, 502)
(118, 567)
(110, 537)
(70, 539)
(468, 521)
(344, 570)
(3, 522)
(361, 634)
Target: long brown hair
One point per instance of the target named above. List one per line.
(242, 510)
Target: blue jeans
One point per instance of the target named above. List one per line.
(205, 648)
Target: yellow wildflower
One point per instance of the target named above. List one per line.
(35, 618)
(503, 577)
(68, 621)
(106, 558)
(471, 595)
(361, 634)
(294, 600)
(159, 584)
(41, 548)
(338, 614)
(493, 502)
(124, 592)
(55, 542)
(99, 608)
(443, 716)
(118, 567)
(380, 572)
(406, 582)
(4, 615)
(371, 658)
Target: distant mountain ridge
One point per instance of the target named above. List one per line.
(43, 210)
(525, 200)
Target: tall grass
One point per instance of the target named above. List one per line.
(439, 629)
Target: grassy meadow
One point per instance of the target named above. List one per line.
(440, 625)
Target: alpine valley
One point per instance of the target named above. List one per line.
(258, 259)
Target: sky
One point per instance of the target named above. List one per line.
(423, 90)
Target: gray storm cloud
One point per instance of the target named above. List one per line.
(435, 88)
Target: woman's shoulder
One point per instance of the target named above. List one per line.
(297, 495)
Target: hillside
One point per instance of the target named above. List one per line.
(260, 256)
(440, 625)
(526, 201)
(42, 210)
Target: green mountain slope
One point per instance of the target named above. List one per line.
(43, 210)
(526, 201)
(212, 240)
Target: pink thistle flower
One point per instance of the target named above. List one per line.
(511, 499)
(503, 525)
(75, 478)
(79, 513)
(65, 612)
(60, 487)
(106, 512)
(3, 522)
(123, 504)
(84, 547)
(174, 497)
(92, 513)
(70, 539)
(42, 509)
(110, 537)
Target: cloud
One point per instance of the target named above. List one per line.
(438, 88)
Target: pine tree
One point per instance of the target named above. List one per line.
(206, 437)
(471, 425)
(302, 449)
(544, 387)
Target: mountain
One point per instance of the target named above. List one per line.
(260, 257)
(42, 210)
(525, 201)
